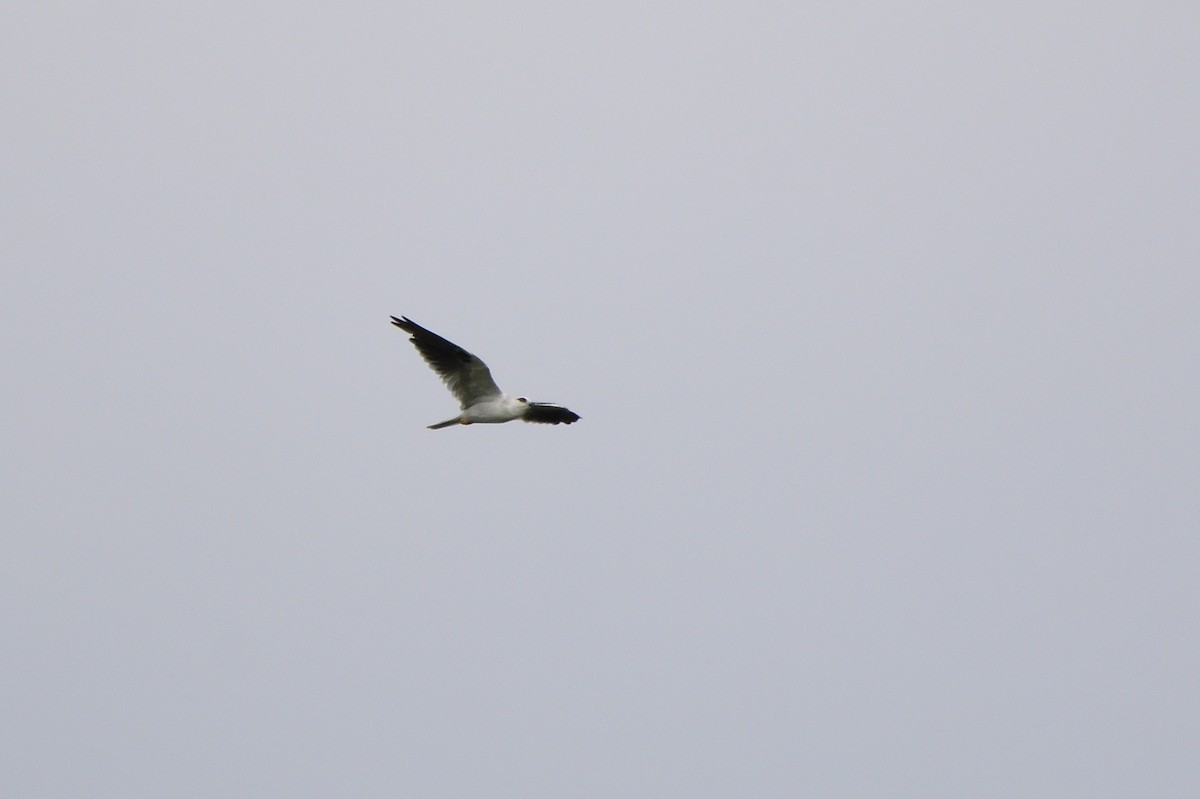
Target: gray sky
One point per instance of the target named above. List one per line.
(881, 320)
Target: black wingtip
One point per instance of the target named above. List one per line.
(549, 413)
(406, 324)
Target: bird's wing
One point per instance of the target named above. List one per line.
(466, 376)
(545, 413)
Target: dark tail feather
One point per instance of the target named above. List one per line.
(446, 423)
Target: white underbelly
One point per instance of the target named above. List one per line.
(490, 412)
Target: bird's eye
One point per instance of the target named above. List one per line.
(522, 399)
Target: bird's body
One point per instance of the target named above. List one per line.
(469, 379)
(489, 411)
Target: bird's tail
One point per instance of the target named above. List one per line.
(446, 423)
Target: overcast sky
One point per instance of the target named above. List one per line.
(881, 319)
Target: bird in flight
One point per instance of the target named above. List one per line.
(469, 379)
